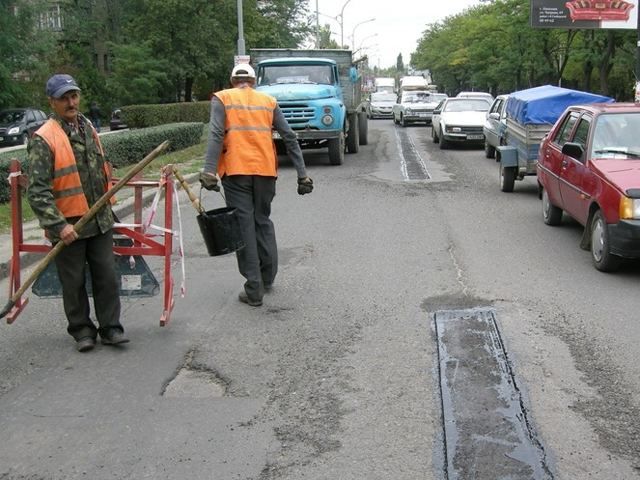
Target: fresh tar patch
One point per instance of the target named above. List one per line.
(487, 431)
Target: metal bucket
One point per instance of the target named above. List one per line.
(220, 229)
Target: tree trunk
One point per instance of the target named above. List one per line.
(606, 62)
(188, 89)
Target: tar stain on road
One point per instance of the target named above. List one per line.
(487, 430)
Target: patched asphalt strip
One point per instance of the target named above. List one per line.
(411, 163)
(486, 427)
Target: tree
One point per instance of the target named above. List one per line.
(25, 48)
(399, 63)
(325, 38)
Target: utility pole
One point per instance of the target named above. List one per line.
(637, 72)
(317, 26)
(241, 48)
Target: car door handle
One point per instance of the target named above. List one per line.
(564, 164)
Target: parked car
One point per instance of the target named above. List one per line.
(476, 95)
(459, 120)
(18, 124)
(495, 125)
(589, 167)
(411, 107)
(381, 105)
(116, 122)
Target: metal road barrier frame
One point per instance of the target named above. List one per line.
(141, 243)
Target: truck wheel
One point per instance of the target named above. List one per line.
(507, 178)
(601, 254)
(551, 215)
(363, 125)
(489, 151)
(353, 136)
(336, 150)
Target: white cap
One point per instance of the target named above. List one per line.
(243, 70)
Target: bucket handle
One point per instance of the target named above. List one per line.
(219, 191)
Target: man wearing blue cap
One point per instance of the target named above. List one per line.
(68, 173)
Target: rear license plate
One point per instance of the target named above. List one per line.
(475, 137)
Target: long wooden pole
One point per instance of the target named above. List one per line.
(194, 200)
(102, 201)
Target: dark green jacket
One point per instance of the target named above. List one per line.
(90, 167)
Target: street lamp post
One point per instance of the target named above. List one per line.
(353, 32)
(341, 16)
(241, 49)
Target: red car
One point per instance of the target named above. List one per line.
(589, 167)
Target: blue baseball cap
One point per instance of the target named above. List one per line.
(60, 84)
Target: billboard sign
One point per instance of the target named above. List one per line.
(584, 14)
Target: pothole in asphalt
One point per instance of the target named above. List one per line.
(487, 429)
(194, 381)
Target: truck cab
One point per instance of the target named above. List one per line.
(308, 93)
(319, 93)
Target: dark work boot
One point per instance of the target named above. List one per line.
(242, 296)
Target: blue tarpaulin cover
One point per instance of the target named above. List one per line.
(545, 104)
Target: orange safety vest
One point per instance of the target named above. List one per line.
(248, 147)
(67, 187)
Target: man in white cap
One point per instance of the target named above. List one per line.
(68, 173)
(241, 153)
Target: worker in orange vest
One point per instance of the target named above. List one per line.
(241, 152)
(68, 173)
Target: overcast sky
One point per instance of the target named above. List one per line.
(397, 27)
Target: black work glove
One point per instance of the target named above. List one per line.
(305, 185)
(209, 181)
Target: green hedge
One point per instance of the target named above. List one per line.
(142, 116)
(129, 147)
(5, 159)
(122, 148)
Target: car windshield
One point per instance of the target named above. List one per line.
(273, 74)
(11, 116)
(383, 97)
(467, 105)
(616, 135)
(415, 97)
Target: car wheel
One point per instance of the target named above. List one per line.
(24, 139)
(403, 122)
(601, 254)
(551, 214)
(434, 137)
(489, 151)
(507, 178)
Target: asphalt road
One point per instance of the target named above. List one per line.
(336, 376)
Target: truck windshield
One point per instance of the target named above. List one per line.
(273, 74)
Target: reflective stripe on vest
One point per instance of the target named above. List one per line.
(248, 147)
(67, 188)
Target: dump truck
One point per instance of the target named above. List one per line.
(320, 95)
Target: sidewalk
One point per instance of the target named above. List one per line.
(32, 233)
